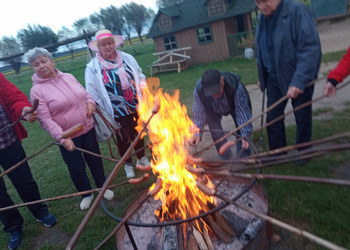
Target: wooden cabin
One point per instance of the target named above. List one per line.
(210, 28)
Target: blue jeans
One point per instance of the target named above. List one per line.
(216, 131)
(276, 132)
(75, 161)
(25, 185)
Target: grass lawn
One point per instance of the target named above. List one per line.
(320, 209)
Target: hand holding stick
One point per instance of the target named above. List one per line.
(25, 111)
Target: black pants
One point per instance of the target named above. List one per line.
(303, 117)
(128, 134)
(75, 161)
(25, 185)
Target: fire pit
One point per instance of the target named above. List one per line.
(180, 211)
(146, 231)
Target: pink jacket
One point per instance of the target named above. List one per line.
(62, 104)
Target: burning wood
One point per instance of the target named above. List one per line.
(184, 190)
(217, 230)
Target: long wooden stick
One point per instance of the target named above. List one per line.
(297, 108)
(340, 182)
(68, 133)
(268, 156)
(305, 234)
(122, 222)
(92, 209)
(60, 197)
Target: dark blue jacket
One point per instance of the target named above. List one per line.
(297, 47)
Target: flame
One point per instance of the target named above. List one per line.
(169, 131)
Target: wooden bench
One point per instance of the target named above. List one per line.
(170, 60)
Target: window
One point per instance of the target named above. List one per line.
(204, 35)
(170, 43)
(216, 8)
(164, 23)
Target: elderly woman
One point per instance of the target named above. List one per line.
(63, 103)
(113, 78)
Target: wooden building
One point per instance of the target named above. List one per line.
(204, 26)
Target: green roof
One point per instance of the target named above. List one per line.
(192, 13)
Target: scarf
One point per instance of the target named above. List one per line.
(118, 65)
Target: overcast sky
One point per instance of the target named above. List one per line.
(16, 14)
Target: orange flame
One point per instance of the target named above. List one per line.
(169, 131)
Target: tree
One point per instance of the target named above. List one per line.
(137, 16)
(64, 34)
(10, 46)
(83, 24)
(167, 3)
(96, 21)
(112, 19)
(37, 36)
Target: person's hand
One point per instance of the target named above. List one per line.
(195, 140)
(68, 144)
(31, 117)
(329, 90)
(245, 144)
(294, 92)
(90, 109)
(258, 83)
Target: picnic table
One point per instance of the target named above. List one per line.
(170, 60)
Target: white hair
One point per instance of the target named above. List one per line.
(36, 52)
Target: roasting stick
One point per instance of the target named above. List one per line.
(281, 224)
(131, 181)
(66, 134)
(306, 155)
(143, 198)
(61, 197)
(35, 106)
(93, 207)
(298, 108)
(226, 173)
(290, 228)
(267, 156)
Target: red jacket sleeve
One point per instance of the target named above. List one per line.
(13, 101)
(342, 70)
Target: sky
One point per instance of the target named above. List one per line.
(16, 14)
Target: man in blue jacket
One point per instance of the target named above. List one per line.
(288, 52)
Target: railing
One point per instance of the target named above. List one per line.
(235, 45)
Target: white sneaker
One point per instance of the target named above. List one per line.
(129, 170)
(108, 195)
(86, 202)
(143, 161)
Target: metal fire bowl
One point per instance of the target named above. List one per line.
(262, 236)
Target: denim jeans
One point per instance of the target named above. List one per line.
(23, 181)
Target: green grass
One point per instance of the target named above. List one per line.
(320, 209)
